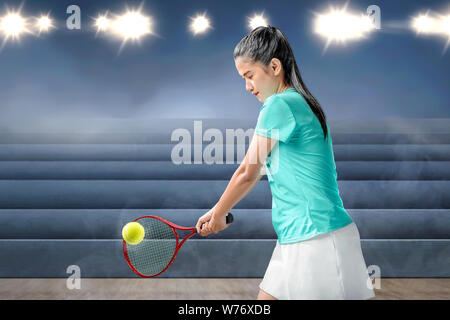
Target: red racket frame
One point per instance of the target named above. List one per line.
(179, 244)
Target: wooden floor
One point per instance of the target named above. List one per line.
(202, 289)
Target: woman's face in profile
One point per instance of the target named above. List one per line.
(258, 79)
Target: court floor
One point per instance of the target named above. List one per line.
(201, 289)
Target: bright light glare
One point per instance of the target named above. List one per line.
(434, 25)
(437, 24)
(444, 25)
(200, 24)
(44, 23)
(340, 25)
(12, 25)
(257, 21)
(132, 25)
(102, 23)
(425, 24)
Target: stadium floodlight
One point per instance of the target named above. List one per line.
(44, 23)
(132, 25)
(200, 24)
(341, 26)
(444, 25)
(256, 21)
(425, 24)
(102, 23)
(431, 24)
(13, 25)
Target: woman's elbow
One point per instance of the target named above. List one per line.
(248, 175)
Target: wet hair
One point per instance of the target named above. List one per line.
(263, 44)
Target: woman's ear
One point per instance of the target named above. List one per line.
(275, 65)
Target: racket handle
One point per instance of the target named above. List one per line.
(229, 218)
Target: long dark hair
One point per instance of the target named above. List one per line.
(263, 44)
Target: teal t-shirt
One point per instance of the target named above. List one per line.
(300, 169)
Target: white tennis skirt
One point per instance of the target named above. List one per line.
(328, 266)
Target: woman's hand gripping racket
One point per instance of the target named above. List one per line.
(159, 246)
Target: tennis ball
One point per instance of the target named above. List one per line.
(133, 233)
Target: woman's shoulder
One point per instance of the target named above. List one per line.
(276, 104)
(289, 99)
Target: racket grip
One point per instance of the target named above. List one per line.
(229, 218)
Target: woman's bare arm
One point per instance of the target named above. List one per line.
(247, 175)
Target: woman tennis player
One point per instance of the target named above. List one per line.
(318, 252)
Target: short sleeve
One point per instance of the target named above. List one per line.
(275, 120)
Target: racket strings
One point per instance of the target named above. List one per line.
(155, 251)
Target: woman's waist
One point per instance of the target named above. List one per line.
(314, 195)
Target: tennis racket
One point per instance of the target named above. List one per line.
(161, 243)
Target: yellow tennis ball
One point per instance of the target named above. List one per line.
(133, 233)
